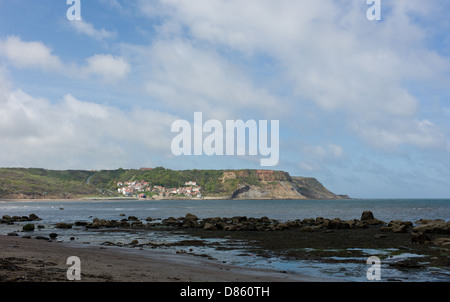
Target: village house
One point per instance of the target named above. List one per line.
(130, 188)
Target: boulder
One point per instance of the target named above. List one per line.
(436, 226)
(170, 221)
(53, 235)
(444, 242)
(63, 225)
(42, 238)
(33, 217)
(368, 218)
(28, 227)
(209, 226)
(419, 238)
(366, 215)
(190, 216)
(336, 223)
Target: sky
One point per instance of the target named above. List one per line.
(363, 105)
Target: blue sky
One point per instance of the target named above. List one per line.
(363, 105)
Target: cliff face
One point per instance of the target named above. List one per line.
(311, 188)
(268, 184)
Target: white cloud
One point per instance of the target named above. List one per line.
(327, 52)
(109, 68)
(88, 29)
(36, 54)
(313, 158)
(29, 54)
(78, 134)
(395, 133)
(188, 78)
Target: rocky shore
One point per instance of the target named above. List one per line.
(318, 239)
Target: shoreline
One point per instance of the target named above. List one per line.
(409, 248)
(31, 260)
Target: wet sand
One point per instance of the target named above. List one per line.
(32, 260)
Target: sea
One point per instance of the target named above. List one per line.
(52, 212)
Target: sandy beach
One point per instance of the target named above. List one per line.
(32, 260)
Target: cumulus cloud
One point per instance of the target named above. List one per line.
(29, 54)
(326, 52)
(107, 67)
(314, 157)
(188, 78)
(36, 54)
(88, 29)
(78, 134)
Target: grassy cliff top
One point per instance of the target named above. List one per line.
(34, 183)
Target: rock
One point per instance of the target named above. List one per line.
(399, 226)
(133, 218)
(81, 223)
(419, 238)
(63, 225)
(282, 226)
(40, 226)
(28, 227)
(367, 215)
(373, 221)
(209, 226)
(386, 229)
(335, 224)
(306, 228)
(407, 263)
(134, 242)
(436, 226)
(53, 235)
(444, 242)
(190, 216)
(379, 236)
(33, 217)
(13, 234)
(170, 221)
(42, 238)
(230, 228)
(137, 224)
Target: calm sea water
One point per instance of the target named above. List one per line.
(384, 209)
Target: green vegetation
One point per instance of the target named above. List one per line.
(21, 183)
(41, 183)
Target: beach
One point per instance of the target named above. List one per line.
(33, 260)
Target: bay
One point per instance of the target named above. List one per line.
(386, 210)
